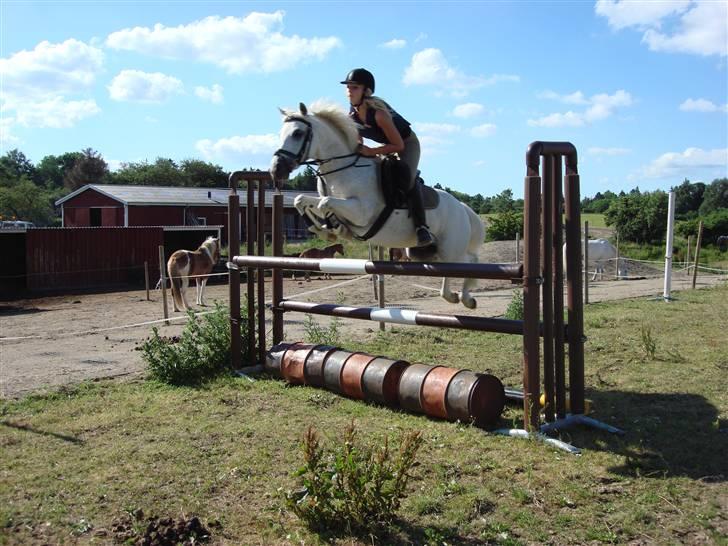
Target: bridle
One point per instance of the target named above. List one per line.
(298, 158)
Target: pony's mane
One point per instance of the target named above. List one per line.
(335, 117)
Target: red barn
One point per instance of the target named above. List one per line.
(103, 205)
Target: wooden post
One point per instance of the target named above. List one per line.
(697, 252)
(616, 263)
(586, 263)
(146, 277)
(687, 254)
(380, 281)
(164, 284)
(518, 248)
(373, 278)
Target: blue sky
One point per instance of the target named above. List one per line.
(641, 88)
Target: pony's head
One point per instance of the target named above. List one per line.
(327, 130)
(212, 245)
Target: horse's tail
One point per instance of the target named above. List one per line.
(176, 282)
(477, 232)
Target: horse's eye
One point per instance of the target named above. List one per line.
(297, 133)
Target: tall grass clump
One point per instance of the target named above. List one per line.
(351, 489)
(514, 311)
(200, 353)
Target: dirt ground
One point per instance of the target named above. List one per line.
(53, 341)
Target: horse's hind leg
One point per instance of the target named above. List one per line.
(447, 294)
(184, 285)
(201, 283)
(465, 297)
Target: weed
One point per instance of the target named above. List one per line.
(352, 487)
(200, 353)
(515, 307)
(324, 335)
(648, 343)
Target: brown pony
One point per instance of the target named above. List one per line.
(185, 263)
(398, 255)
(321, 253)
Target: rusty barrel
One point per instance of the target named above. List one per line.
(332, 370)
(475, 397)
(410, 386)
(274, 357)
(313, 368)
(292, 364)
(352, 373)
(380, 381)
(434, 391)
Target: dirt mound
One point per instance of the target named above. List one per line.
(159, 531)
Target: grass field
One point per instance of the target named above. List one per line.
(93, 463)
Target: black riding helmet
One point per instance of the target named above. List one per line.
(361, 76)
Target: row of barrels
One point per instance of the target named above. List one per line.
(437, 391)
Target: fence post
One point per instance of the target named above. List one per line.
(380, 281)
(697, 252)
(586, 263)
(236, 357)
(518, 248)
(164, 284)
(667, 287)
(687, 254)
(616, 263)
(146, 277)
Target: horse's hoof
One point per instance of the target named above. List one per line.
(469, 302)
(451, 298)
(422, 252)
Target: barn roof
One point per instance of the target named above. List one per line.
(165, 195)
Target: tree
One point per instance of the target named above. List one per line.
(90, 168)
(639, 217)
(715, 196)
(688, 198)
(14, 165)
(305, 181)
(201, 174)
(24, 200)
(503, 202)
(504, 226)
(52, 170)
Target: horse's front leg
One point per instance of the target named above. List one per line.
(201, 283)
(352, 210)
(447, 294)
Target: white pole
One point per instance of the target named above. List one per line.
(668, 245)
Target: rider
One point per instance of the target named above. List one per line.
(381, 123)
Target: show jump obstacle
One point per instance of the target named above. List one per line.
(547, 194)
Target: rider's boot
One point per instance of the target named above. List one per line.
(425, 239)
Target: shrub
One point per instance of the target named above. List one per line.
(351, 488)
(200, 353)
(504, 226)
(715, 224)
(515, 307)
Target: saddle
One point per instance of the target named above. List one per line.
(394, 181)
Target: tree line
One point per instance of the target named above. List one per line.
(28, 192)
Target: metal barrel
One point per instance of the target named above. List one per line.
(293, 362)
(313, 368)
(274, 357)
(410, 386)
(332, 370)
(351, 374)
(475, 397)
(434, 391)
(380, 381)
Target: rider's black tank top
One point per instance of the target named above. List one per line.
(369, 128)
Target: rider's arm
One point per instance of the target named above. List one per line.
(396, 144)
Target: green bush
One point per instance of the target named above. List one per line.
(515, 307)
(200, 353)
(504, 226)
(352, 488)
(715, 224)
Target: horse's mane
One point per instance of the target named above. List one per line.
(335, 117)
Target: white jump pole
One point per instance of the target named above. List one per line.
(668, 246)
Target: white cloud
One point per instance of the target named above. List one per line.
(468, 110)
(51, 69)
(601, 106)
(484, 130)
(702, 105)
(396, 43)
(699, 27)
(236, 147)
(7, 139)
(56, 112)
(138, 86)
(610, 152)
(436, 128)
(254, 43)
(212, 94)
(577, 97)
(684, 164)
(429, 67)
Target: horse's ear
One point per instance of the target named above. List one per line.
(282, 111)
(302, 108)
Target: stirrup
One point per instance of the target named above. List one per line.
(424, 237)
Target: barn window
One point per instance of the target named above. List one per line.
(95, 217)
(201, 220)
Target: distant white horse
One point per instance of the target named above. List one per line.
(350, 200)
(601, 252)
(185, 263)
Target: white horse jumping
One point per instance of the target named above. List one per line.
(601, 251)
(350, 200)
(185, 263)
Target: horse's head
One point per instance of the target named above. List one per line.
(296, 136)
(212, 244)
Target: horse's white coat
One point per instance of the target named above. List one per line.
(353, 196)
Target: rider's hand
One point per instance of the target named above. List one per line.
(366, 151)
